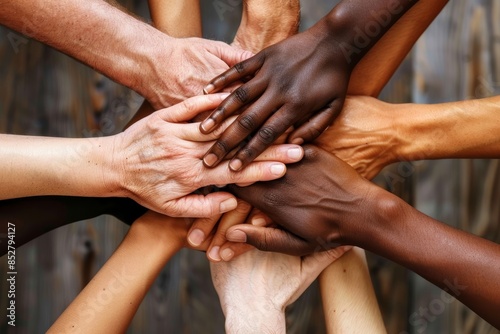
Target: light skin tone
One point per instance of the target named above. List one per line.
(307, 90)
(119, 283)
(163, 69)
(147, 163)
(408, 132)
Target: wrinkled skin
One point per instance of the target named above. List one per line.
(319, 202)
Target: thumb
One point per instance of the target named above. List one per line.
(232, 55)
(197, 206)
(315, 263)
(268, 239)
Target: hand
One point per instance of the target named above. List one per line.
(184, 67)
(303, 78)
(255, 288)
(161, 163)
(366, 135)
(320, 202)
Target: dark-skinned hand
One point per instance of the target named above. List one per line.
(319, 204)
(299, 82)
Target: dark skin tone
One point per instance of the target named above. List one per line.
(34, 216)
(322, 202)
(300, 82)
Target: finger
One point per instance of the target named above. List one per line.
(315, 263)
(273, 128)
(234, 102)
(189, 108)
(317, 124)
(282, 153)
(257, 171)
(231, 250)
(231, 55)
(198, 206)
(269, 239)
(200, 229)
(235, 217)
(191, 131)
(235, 73)
(246, 123)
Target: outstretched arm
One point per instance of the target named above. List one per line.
(301, 81)
(462, 264)
(370, 134)
(346, 285)
(163, 69)
(151, 241)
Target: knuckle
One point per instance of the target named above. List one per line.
(241, 94)
(267, 135)
(246, 153)
(311, 152)
(272, 199)
(247, 122)
(221, 146)
(219, 113)
(239, 68)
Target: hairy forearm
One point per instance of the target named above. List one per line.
(35, 166)
(465, 129)
(176, 18)
(348, 298)
(464, 265)
(94, 32)
(123, 282)
(264, 23)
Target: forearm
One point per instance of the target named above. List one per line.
(464, 265)
(349, 301)
(94, 32)
(464, 129)
(122, 282)
(264, 23)
(34, 216)
(34, 166)
(176, 18)
(375, 69)
(356, 26)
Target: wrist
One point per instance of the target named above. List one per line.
(271, 321)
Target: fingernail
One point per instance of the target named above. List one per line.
(295, 153)
(196, 237)
(228, 205)
(237, 236)
(259, 222)
(208, 89)
(298, 141)
(278, 169)
(208, 125)
(210, 159)
(214, 253)
(227, 254)
(235, 164)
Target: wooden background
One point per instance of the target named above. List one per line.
(47, 93)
